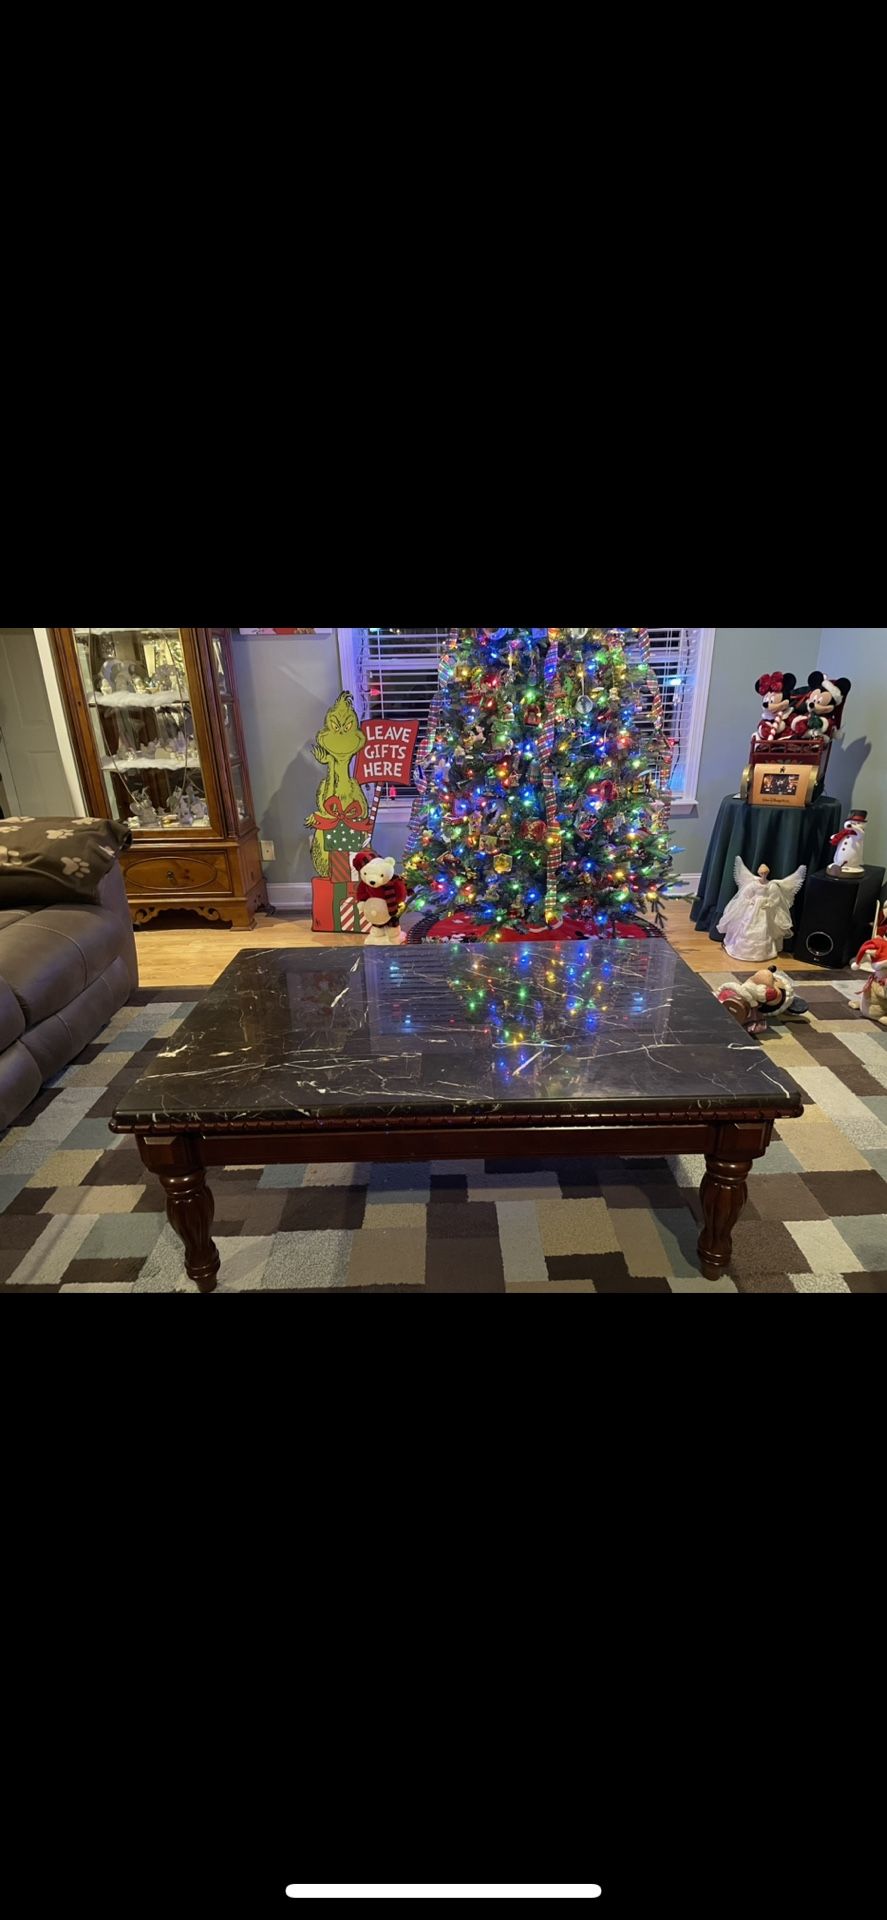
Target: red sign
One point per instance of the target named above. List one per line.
(388, 754)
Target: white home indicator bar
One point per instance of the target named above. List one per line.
(483, 1892)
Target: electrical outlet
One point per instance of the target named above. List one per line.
(268, 850)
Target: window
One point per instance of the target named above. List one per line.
(681, 658)
(392, 672)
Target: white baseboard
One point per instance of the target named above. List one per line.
(687, 883)
(292, 896)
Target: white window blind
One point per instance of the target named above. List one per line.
(681, 659)
(395, 673)
(400, 672)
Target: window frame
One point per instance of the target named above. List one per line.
(682, 804)
(686, 801)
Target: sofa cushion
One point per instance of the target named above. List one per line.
(9, 916)
(50, 956)
(42, 861)
(19, 1082)
(12, 1020)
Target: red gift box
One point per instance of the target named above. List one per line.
(335, 908)
(340, 868)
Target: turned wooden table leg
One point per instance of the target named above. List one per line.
(189, 1202)
(724, 1193)
(190, 1208)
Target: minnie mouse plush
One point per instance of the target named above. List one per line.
(776, 690)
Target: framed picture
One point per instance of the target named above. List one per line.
(786, 786)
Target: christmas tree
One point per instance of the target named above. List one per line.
(543, 777)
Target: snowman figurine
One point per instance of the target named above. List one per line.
(849, 844)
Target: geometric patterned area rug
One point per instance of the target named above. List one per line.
(80, 1215)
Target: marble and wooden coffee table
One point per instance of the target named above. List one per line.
(456, 1052)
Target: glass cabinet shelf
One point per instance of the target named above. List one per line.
(140, 701)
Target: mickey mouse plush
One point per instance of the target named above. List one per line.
(776, 691)
(824, 703)
(382, 897)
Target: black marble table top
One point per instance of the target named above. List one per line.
(391, 1031)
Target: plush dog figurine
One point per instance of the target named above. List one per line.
(776, 691)
(382, 897)
(769, 992)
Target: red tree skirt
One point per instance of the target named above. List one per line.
(462, 927)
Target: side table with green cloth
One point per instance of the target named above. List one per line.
(782, 838)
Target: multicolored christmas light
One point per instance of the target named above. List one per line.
(543, 782)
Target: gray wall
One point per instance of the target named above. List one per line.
(286, 687)
(858, 766)
(741, 655)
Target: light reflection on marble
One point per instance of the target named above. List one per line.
(438, 1028)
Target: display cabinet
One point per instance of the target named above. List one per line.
(156, 728)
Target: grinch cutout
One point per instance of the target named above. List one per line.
(339, 798)
(757, 920)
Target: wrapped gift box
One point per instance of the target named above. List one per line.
(335, 909)
(346, 831)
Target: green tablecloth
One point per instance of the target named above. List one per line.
(783, 838)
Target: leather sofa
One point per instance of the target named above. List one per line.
(64, 970)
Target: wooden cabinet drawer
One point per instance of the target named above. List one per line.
(195, 873)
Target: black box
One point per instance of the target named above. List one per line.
(838, 915)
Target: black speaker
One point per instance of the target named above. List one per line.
(837, 916)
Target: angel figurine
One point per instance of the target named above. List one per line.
(757, 920)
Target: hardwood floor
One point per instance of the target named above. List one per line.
(196, 958)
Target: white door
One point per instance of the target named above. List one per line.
(30, 760)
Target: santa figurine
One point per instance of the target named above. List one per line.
(767, 994)
(758, 918)
(849, 843)
(872, 959)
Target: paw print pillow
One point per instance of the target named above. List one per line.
(44, 862)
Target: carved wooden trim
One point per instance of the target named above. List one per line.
(564, 1119)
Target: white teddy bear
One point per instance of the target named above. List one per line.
(382, 897)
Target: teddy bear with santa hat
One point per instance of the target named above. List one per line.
(382, 897)
(872, 958)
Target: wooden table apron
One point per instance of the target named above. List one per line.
(730, 1140)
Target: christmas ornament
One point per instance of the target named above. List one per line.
(503, 862)
(757, 919)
